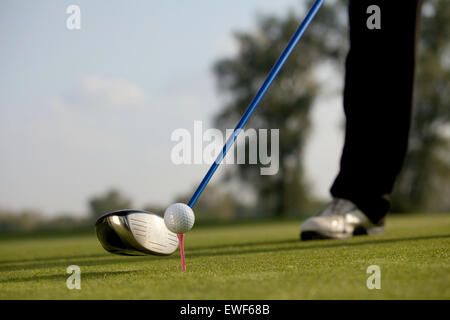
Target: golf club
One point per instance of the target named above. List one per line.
(254, 103)
(134, 232)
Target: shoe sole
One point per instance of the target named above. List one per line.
(360, 231)
(313, 235)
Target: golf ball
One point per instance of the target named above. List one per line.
(179, 218)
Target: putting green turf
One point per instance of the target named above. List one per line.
(250, 261)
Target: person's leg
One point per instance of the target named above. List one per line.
(377, 102)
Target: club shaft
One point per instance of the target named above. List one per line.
(254, 103)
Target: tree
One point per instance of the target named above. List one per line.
(287, 104)
(112, 200)
(424, 184)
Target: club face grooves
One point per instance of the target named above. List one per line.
(116, 235)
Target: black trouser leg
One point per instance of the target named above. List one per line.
(377, 102)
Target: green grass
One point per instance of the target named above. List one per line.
(252, 261)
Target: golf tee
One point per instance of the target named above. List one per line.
(181, 240)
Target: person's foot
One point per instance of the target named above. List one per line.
(340, 219)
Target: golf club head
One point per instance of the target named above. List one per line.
(134, 233)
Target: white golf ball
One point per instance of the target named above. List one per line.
(179, 218)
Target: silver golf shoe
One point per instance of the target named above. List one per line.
(340, 219)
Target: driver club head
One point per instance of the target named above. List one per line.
(135, 233)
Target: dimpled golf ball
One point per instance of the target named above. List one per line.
(179, 218)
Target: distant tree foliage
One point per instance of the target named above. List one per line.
(31, 220)
(24, 220)
(424, 184)
(112, 200)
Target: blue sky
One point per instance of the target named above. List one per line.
(85, 110)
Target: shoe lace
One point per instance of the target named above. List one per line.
(335, 208)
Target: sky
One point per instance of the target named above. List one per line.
(85, 110)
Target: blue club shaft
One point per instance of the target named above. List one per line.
(254, 103)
